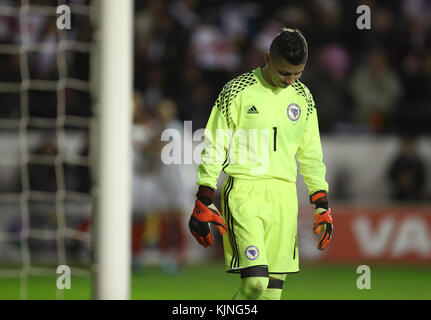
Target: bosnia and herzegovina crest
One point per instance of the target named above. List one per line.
(293, 111)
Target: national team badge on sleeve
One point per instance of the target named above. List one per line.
(293, 112)
(251, 252)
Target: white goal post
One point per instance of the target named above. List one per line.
(114, 84)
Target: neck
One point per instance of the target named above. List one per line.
(266, 76)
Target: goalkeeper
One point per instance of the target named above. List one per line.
(262, 120)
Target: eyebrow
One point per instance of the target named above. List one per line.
(289, 73)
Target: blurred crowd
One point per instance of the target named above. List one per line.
(30, 51)
(37, 31)
(375, 80)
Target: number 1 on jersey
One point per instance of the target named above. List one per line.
(275, 138)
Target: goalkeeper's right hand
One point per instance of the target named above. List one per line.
(205, 213)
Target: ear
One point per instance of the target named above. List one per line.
(267, 58)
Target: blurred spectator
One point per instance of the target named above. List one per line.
(407, 173)
(239, 20)
(327, 25)
(146, 141)
(154, 90)
(43, 64)
(43, 177)
(211, 49)
(200, 103)
(188, 79)
(146, 195)
(375, 89)
(426, 94)
(78, 177)
(155, 183)
(184, 11)
(383, 29)
(327, 83)
(173, 185)
(418, 15)
(159, 37)
(416, 99)
(264, 37)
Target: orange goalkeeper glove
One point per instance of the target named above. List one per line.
(323, 223)
(204, 214)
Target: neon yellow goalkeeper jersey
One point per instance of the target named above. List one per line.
(255, 130)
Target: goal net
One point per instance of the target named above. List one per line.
(46, 121)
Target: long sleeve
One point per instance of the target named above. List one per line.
(310, 157)
(218, 134)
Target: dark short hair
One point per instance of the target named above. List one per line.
(290, 45)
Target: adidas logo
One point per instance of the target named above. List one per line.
(253, 110)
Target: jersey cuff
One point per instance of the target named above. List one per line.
(320, 199)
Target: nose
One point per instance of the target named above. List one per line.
(289, 80)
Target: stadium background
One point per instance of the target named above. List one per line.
(372, 91)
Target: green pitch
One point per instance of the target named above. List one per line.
(208, 282)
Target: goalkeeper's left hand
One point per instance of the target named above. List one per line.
(323, 223)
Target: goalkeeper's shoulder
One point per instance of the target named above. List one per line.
(238, 85)
(303, 91)
(228, 102)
